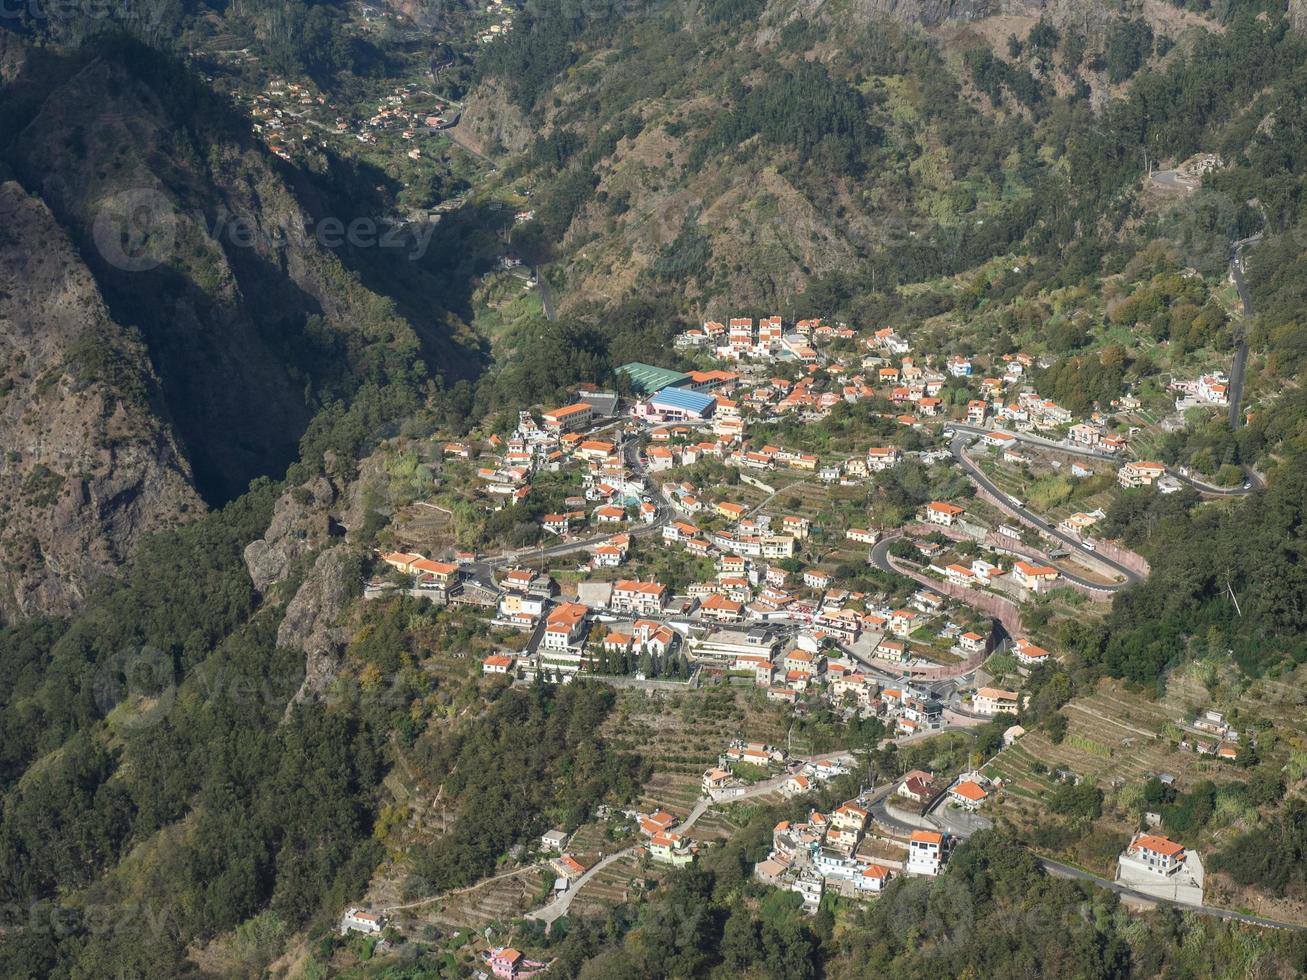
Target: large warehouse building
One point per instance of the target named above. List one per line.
(680, 404)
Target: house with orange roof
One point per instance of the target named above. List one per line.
(731, 511)
(568, 866)
(564, 626)
(656, 823)
(1153, 854)
(569, 418)
(506, 962)
(968, 794)
(632, 595)
(721, 609)
(1140, 474)
(942, 513)
(1036, 578)
(874, 878)
(796, 785)
(497, 664)
(435, 574)
(927, 852)
(673, 849)
(1029, 655)
(991, 701)
(401, 561)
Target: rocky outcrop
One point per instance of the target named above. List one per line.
(302, 523)
(311, 620)
(1298, 14)
(200, 238)
(490, 122)
(88, 468)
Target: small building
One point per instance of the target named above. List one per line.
(361, 920)
(992, 701)
(569, 418)
(968, 795)
(927, 852)
(1153, 854)
(944, 514)
(568, 866)
(673, 849)
(874, 878)
(553, 840)
(715, 779)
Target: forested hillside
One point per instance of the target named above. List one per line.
(202, 722)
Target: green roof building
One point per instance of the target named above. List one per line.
(646, 379)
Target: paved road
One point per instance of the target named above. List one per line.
(1250, 483)
(546, 294)
(1241, 334)
(1172, 181)
(880, 551)
(1066, 871)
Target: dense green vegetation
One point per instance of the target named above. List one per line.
(146, 750)
(532, 761)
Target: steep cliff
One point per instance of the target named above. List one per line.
(87, 468)
(255, 315)
(172, 312)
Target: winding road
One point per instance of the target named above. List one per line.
(1252, 480)
(957, 446)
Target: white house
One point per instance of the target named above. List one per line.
(991, 701)
(1154, 854)
(927, 851)
(360, 920)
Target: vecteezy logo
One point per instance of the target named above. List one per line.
(135, 230)
(143, 674)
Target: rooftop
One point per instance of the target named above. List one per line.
(646, 378)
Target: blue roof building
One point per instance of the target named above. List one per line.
(683, 403)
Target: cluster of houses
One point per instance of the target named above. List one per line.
(611, 493)
(768, 340)
(886, 369)
(1209, 725)
(1208, 389)
(833, 852)
(284, 109)
(501, 14)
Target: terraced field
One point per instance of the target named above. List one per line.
(423, 528)
(684, 735)
(617, 883)
(497, 900)
(591, 842)
(1113, 738)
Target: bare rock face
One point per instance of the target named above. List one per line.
(310, 620)
(932, 12)
(301, 525)
(88, 468)
(310, 623)
(490, 120)
(1298, 14)
(13, 55)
